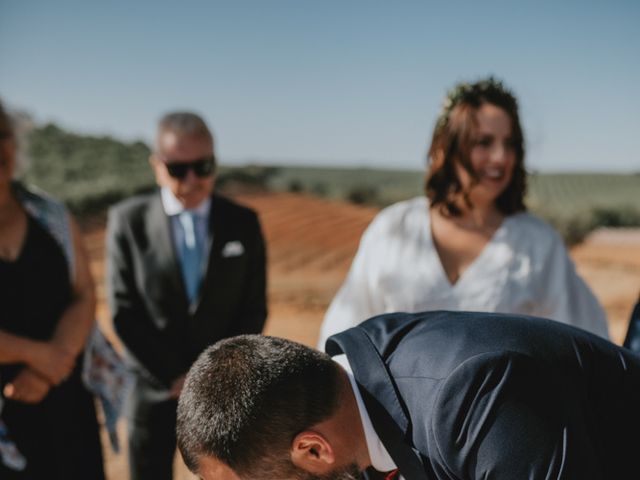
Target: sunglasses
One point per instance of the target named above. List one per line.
(203, 167)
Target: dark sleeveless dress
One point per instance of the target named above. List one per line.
(59, 436)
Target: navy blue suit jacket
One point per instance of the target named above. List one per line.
(459, 395)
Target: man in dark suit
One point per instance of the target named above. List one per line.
(436, 395)
(632, 339)
(185, 268)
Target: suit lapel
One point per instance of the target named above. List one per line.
(380, 399)
(161, 243)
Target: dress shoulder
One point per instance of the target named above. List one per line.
(401, 215)
(531, 222)
(526, 229)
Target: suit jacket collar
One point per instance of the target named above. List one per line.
(220, 232)
(380, 398)
(216, 240)
(381, 461)
(161, 241)
(172, 206)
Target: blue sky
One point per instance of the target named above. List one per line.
(353, 83)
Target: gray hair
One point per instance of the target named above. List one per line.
(185, 123)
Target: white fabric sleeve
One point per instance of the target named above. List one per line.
(356, 300)
(564, 296)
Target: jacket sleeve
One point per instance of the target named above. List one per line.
(131, 320)
(252, 314)
(503, 416)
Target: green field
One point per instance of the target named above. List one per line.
(386, 186)
(560, 193)
(575, 203)
(90, 173)
(573, 193)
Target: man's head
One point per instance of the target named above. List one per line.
(183, 160)
(256, 407)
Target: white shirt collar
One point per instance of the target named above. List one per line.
(172, 206)
(380, 458)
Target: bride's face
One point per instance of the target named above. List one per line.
(492, 156)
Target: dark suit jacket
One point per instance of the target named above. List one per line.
(163, 336)
(632, 339)
(489, 396)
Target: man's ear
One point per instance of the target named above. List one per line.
(312, 452)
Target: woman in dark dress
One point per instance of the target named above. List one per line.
(47, 306)
(632, 340)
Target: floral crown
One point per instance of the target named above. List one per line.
(462, 91)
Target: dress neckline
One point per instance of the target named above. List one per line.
(478, 260)
(23, 245)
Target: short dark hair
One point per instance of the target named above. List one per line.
(246, 398)
(452, 141)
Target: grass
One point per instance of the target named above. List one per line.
(89, 173)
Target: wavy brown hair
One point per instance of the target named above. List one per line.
(452, 142)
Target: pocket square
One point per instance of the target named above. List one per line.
(232, 249)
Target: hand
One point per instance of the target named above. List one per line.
(52, 361)
(27, 387)
(176, 386)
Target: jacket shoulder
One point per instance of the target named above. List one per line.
(226, 206)
(133, 206)
(492, 398)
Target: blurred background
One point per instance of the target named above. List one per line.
(322, 113)
(299, 85)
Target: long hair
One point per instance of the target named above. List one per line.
(452, 142)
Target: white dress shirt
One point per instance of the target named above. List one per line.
(173, 208)
(380, 458)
